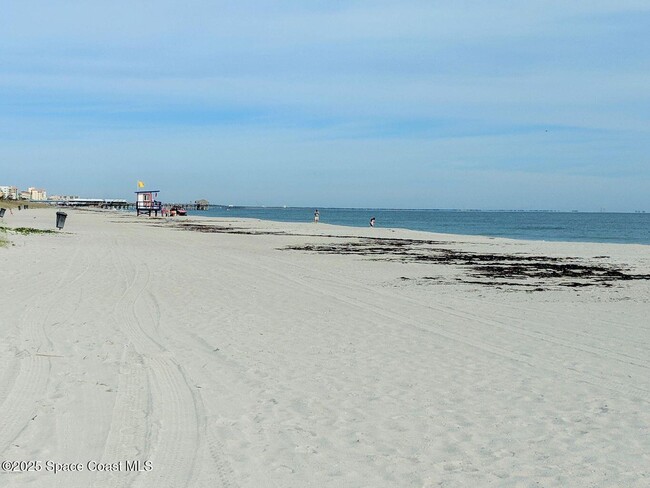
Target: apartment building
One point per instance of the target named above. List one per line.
(9, 192)
(37, 194)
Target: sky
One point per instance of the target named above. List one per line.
(410, 104)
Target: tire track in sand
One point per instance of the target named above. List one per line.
(29, 384)
(169, 434)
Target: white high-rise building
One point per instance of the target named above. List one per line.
(9, 192)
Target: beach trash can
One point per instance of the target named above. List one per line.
(60, 219)
(2, 212)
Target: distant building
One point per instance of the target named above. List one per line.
(13, 193)
(9, 192)
(36, 194)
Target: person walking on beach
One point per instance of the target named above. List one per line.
(316, 216)
(372, 222)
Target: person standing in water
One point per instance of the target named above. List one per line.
(316, 216)
(372, 222)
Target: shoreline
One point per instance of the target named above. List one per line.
(614, 240)
(396, 229)
(559, 240)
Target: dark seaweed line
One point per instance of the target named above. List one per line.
(482, 265)
(492, 266)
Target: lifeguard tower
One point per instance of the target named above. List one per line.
(146, 202)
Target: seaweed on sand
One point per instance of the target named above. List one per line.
(486, 268)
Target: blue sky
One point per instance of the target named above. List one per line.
(412, 104)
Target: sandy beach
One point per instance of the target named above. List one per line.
(142, 352)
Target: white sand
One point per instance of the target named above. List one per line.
(224, 360)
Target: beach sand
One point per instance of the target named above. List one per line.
(243, 353)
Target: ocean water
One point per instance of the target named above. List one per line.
(548, 226)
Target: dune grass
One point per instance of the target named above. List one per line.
(14, 204)
(4, 242)
(26, 230)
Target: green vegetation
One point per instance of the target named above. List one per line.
(26, 230)
(30, 230)
(10, 203)
(13, 204)
(4, 242)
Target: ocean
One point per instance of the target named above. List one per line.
(624, 228)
